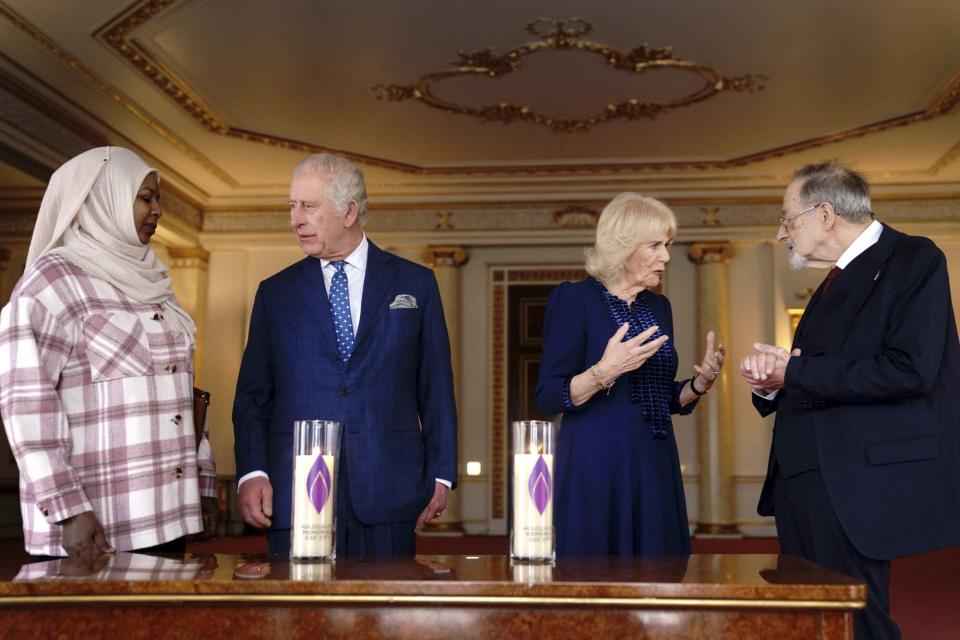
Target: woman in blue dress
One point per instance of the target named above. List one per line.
(609, 366)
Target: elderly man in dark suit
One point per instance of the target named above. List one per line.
(354, 334)
(865, 462)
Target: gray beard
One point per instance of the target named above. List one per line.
(795, 260)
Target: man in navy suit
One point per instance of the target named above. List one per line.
(354, 334)
(865, 461)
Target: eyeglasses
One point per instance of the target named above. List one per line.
(785, 221)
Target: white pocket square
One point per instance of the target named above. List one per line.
(404, 301)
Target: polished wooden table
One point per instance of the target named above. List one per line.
(238, 597)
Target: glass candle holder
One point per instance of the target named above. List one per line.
(532, 535)
(316, 445)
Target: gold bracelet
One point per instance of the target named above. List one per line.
(598, 379)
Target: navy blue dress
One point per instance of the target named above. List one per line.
(619, 489)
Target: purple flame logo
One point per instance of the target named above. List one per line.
(318, 483)
(540, 485)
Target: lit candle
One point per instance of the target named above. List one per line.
(313, 532)
(533, 506)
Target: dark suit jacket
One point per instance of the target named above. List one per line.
(394, 400)
(882, 397)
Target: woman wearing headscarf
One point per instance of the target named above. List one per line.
(609, 367)
(96, 372)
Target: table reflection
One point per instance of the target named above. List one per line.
(122, 566)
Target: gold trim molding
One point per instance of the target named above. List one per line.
(576, 217)
(445, 256)
(710, 252)
(142, 11)
(137, 111)
(565, 36)
(557, 601)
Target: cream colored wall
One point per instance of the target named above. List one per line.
(235, 272)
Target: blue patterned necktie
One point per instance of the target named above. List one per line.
(340, 310)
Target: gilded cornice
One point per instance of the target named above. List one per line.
(117, 34)
(130, 106)
(65, 119)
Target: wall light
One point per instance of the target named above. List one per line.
(474, 468)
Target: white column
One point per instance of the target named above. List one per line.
(188, 270)
(446, 262)
(715, 412)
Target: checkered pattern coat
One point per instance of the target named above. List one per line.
(96, 399)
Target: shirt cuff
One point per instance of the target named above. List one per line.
(446, 483)
(250, 476)
(766, 396)
(58, 508)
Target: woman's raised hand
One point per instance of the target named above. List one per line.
(620, 357)
(709, 368)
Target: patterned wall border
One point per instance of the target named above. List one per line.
(117, 35)
(465, 220)
(502, 277)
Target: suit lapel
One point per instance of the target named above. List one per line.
(806, 316)
(376, 283)
(309, 279)
(857, 282)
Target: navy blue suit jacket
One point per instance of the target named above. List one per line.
(394, 399)
(883, 400)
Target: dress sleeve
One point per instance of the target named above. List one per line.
(34, 348)
(564, 349)
(675, 406)
(667, 325)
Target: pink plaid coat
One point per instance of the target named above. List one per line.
(96, 399)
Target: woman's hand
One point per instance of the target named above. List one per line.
(709, 368)
(620, 357)
(84, 539)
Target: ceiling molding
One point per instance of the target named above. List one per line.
(130, 106)
(565, 36)
(118, 34)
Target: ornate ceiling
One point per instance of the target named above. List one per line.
(453, 101)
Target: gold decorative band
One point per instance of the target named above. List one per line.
(644, 602)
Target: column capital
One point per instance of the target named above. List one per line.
(445, 256)
(181, 257)
(706, 252)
